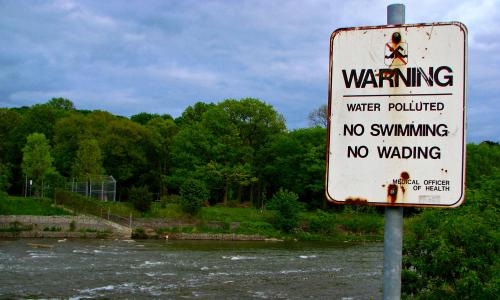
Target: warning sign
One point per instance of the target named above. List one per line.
(397, 117)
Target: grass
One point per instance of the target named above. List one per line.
(29, 206)
(80, 204)
(169, 211)
(351, 224)
(317, 225)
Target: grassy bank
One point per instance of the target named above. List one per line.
(316, 225)
(313, 225)
(29, 206)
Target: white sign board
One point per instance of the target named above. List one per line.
(396, 129)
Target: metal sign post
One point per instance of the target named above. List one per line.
(396, 127)
(393, 223)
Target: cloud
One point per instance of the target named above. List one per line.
(162, 56)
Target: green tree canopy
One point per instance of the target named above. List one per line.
(297, 163)
(143, 118)
(61, 104)
(193, 114)
(88, 162)
(37, 160)
(482, 160)
(9, 120)
(162, 133)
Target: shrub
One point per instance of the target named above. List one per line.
(169, 199)
(72, 225)
(362, 223)
(141, 198)
(323, 222)
(53, 181)
(287, 207)
(5, 177)
(139, 233)
(452, 255)
(193, 194)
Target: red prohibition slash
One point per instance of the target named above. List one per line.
(396, 53)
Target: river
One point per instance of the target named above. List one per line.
(157, 269)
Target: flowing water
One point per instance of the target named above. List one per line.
(85, 269)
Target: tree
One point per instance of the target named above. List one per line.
(61, 104)
(258, 125)
(482, 160)
(37, 160)
(124, 146)
(162, 133)
(193, 193)
(9, 119)
(68, 134)
(143, 118)
(88, 162)
(141, 198)
(10, 157)
(5, 177)
(319, 117)
(287, 207)
(297, 163)
(454, 254)
(228, 175)
(193, 114)
(211, 150)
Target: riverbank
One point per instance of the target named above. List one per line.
(120, 220)
(81, 226)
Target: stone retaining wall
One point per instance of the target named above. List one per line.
(213, 236)
(161, 223)
(53, 234)
(58, 226)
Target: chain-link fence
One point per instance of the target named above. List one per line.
(97, 187)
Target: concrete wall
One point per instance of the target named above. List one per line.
(42, 225)
(213, 236)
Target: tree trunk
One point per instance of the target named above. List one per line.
(226, 192)
(240, 188)
(251, 193)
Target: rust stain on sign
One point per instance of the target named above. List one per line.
(393, 189)
(392, 193)
(356, 201)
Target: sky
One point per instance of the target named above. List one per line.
(128, 57)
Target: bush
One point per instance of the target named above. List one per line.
(169, 199)
(193, 194)
(453, 254)
(5, 177)
(323, 223)
(139, 234)
(141, 198)
(72, 225)
(287, 207)
(53, 182)
(362, 223)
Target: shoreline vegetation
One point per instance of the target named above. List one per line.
(168, 221)
(230, 169)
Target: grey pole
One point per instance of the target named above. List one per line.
(395, 14)
(393, 226)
